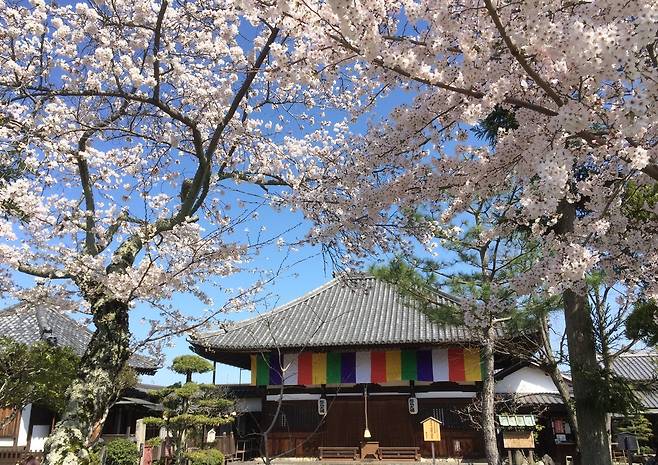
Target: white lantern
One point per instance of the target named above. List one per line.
(413, 405)
(210, 436)
(322, 407)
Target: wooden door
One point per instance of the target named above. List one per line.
(344, 423)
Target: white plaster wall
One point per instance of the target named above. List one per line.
(21, 441)
(527, 380)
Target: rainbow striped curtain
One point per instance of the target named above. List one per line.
(452, 364)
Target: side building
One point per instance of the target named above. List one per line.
(355, 361)
(28, 324)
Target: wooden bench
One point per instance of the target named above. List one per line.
(399, 453)
(349, 453)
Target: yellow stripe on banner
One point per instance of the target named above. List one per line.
(254, 370)
(393, 365)
(472, 364)
(319, 364)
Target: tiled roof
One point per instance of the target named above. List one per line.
(641, 366)
(29, 324)
(539, 399)
(348, 311)
(642, 369)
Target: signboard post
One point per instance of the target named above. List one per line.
(431, 433)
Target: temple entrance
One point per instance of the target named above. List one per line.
(389, 422)
(299, 429)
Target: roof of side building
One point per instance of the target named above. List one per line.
(27, 323)
(639, 366)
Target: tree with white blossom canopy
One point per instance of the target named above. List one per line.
(126, 129)
(579, 81)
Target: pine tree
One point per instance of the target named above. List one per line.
(191, 407)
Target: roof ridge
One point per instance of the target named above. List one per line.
(282, 308)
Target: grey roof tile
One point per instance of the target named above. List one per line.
(28, 324)
(544, 398)
(348, 311)
(640, 366)
(642, 369)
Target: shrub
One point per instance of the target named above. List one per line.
(121, 452)
(154, 442)
(205, 457)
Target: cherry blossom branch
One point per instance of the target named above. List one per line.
(441, 85)
(241, 93)
(43, 272)
(85, 179)
(156, 49)
(516, 53)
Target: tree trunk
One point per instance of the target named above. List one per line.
(558, 379)
(585, 370)
(585, 373)
(91, 394)
(488, 400)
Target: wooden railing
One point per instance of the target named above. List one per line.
(18, 455)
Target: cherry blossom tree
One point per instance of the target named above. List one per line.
(579, 79)
(127, 128)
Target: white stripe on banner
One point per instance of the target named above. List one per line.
(440, 365)
(363, 367)
(291, 367)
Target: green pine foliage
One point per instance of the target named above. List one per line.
(205, 457)
(190, 364)
(500, 120)
(191, 408)
(642, 323)
(639, 426)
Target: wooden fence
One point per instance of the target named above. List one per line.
(17, 455)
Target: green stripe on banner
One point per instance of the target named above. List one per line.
(333, 368)
(262, 372)
(409, 365)
(483, 365)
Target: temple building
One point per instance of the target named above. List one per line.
(354, 361)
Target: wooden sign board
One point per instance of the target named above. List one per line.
(518, 440)
(431, 429)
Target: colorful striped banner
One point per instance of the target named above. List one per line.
(384, 366)
(319, 368)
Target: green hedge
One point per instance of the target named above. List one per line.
(121, 452)
(205, 457)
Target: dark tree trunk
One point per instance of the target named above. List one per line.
(92, 393)
(488, 400)
(585, 370)
(585, 373)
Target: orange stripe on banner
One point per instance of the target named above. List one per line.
(254, 369)
(456, 370)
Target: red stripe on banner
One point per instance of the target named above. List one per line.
(305, 369)
(456, 368)
(378, 367)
